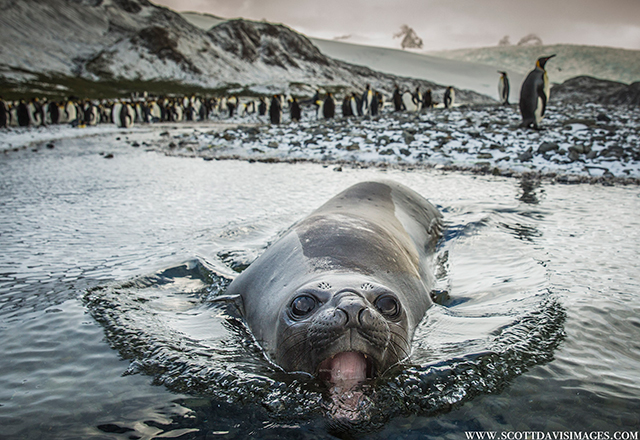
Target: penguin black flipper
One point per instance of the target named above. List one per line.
(543, 97)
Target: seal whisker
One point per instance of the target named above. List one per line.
(299, 331)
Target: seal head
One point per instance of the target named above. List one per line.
(340, 293)
(343, 327)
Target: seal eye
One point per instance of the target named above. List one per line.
(388, 306)
(302, 306)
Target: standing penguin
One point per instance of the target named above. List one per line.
(126, 116)
(427, 100)
(408, 102)
(262, 107)
(375, 104)
(449, 97)
(4, 114)
(397, 100)
(329, 107)
(23, 114)
(367, 97)
(354, 103)
(275, 110)
(417, 99)
(296, 112)
(232, 103)
(503, 88)
(346, 106)
(534, 94)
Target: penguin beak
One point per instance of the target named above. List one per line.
(542, 61)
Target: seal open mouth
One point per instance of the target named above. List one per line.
(347, 367)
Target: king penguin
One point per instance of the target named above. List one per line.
(346, 106)
(275, 110)
(367, 97)
(329, 107)
(295, 110)
(449, 97)
(534, 94)
(23, 114)
(397, 99)
(4, 114)
(503, 88)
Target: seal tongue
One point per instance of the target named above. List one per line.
(348, 367)
(345, 372)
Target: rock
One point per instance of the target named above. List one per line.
(629, 95)
(353, 147)
(614, 151)
(603, 118)
(578, 121)
(526, 156)
(272, 144)
(577, 149)
(108, 156)
(584, 89)
(573, 155)
(546, 147)
(484, 156)
(50, 146)
(405, 152)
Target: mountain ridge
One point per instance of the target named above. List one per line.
(137, 41)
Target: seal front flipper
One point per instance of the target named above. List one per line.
(233, 303)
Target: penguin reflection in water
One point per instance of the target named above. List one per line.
(534, 95)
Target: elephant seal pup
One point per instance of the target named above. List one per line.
(340, 293)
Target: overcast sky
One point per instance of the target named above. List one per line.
(442, 24)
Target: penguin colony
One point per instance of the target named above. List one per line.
(122, 112)
(125, 113)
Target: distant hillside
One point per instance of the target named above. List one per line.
(59, 47)
(599, 62)
(474, 76)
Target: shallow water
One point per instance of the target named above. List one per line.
(100, 339)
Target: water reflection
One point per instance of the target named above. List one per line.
(530, 187)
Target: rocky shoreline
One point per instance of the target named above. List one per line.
(579, 143)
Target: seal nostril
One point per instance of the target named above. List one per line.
(341, 316)
(362, 316)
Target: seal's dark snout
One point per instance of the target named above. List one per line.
(354, 307)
